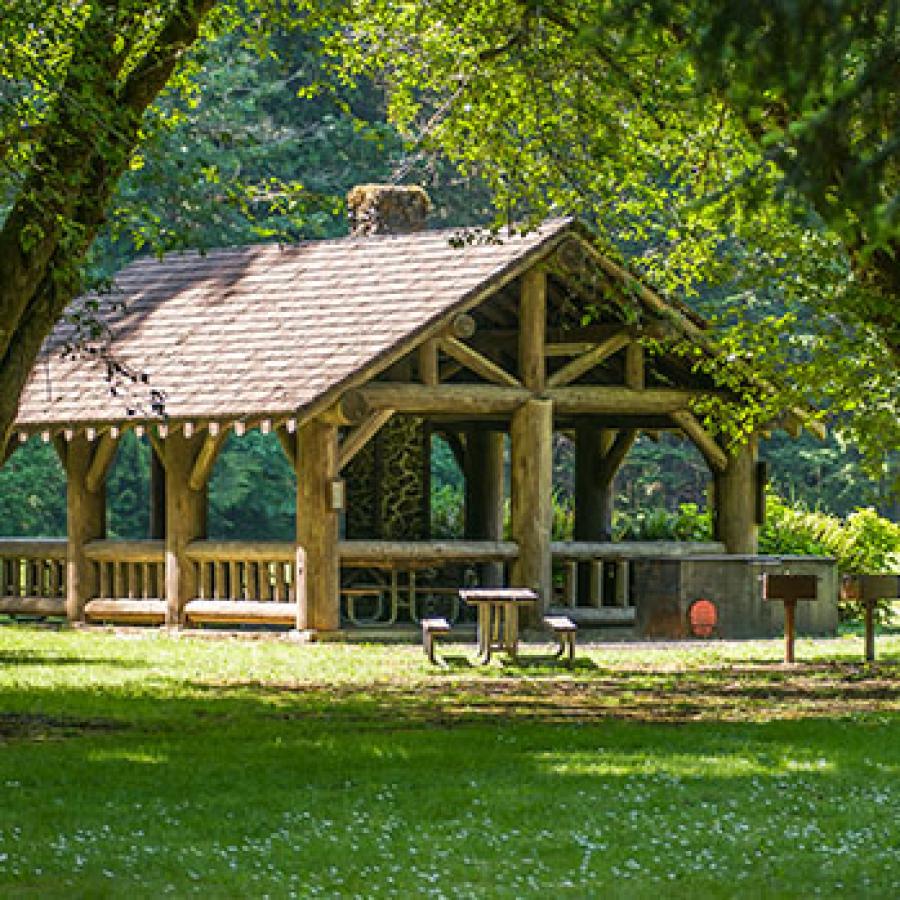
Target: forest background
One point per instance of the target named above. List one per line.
(241, 158)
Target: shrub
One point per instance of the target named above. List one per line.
(688, 523)
(864, 542)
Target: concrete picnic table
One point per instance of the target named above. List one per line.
(498, 617)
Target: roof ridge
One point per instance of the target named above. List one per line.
(554, 225)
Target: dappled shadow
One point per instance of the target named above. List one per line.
(40, 727)
(590, 694)
(30, 659)
(548, 664)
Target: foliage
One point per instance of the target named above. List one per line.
(687, 523)
(252, 490)
(447, 509)
(862, 543)
(33, 493)
(250, 768)
(750, 149)
(128, 489)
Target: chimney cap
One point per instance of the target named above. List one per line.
(387, 209)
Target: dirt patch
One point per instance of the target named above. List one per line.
(38, 727)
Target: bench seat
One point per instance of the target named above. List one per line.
(431, 630)
(565, 631)
(240, 612)
(134, 612)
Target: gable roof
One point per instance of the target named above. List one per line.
(265, 329)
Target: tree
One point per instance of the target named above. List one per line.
(190, 100)
(751, 148)
(77, 83)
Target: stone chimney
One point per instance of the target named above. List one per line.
(387, 209)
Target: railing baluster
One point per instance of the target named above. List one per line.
(277, 581)
(571, 583)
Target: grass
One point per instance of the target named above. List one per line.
(142, 765)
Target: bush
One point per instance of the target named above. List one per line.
(447, 511)
(864, 542)
(689, 523)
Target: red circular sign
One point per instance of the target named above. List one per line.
(703, 617)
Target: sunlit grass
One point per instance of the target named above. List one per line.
(142, 764)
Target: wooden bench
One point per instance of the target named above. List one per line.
(240, 612)
(128, 612)
(565, 630)
(431, 630)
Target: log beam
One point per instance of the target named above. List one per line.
(615, 400)
(288, 441)
(429, 369)
(587, 361)
(715, 456)
(350, 409)
(361, 435)
(614, 454)
(205, 460)
(478, 363)
(634, 365)
(462, 399)
(462, 326)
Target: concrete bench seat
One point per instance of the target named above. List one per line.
(431, 630)
(565, 631)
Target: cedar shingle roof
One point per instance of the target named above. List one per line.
(266, 329)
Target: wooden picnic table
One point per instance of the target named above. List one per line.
(498, 617)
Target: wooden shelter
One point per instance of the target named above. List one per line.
(353, 351)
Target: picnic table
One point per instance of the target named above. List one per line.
(498, 617)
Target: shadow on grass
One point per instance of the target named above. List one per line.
(30, 659)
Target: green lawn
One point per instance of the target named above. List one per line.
(141, 765)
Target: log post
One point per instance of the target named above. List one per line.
(593, 499)
(484, 496)
(869, 605)
(86, 521)
(735, 501)
(157, 496)
(531, 435)
(317, 525)
(790, 629)
(185, 520)
(532, 329)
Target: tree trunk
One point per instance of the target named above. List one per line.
(72, 176)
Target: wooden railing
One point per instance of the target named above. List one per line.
(129, 570)
(33, 576)
(262, 571)
(383, 582)
(606, 566)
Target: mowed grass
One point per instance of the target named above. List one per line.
(139, 764)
